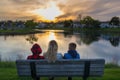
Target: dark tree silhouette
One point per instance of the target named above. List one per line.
(115, 21)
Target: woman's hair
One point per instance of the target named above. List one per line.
(52, 51)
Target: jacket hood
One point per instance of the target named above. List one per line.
(36, 49)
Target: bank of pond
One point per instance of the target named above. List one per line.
(70, 30)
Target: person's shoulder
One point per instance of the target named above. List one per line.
(66, 54)
(78, 56)
(41, 57)
(29, 57)
(59, 56)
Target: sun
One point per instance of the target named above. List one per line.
(48, 13)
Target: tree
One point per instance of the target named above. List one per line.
(68, 23)
(90, 22)
(30, 24)
(115, 21)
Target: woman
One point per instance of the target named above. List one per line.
(52, 53)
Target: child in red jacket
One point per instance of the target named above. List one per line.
(36, 50)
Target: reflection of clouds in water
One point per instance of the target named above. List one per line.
(13, 46)
(100, 49)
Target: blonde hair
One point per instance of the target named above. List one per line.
(52, 51)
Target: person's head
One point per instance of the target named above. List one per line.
(36, 49)
(72, 46)
(52, 50)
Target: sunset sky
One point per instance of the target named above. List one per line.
(58, 9)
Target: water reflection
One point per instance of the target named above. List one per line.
(89, 45)
(114, 40)
(32, 38)
(88, 38)
(51, 36)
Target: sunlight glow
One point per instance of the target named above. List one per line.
(48, 13)
(51, 36)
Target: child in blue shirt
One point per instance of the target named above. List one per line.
(71, 54)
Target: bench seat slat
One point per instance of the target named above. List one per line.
(48, 70)
(59, 66)
(61, 73)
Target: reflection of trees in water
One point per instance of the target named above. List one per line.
(88, 38)
(115, 59)
(68, 34)
(32, 38)
(114, 41)
(6, 36)
(78, 39)
(85, 37)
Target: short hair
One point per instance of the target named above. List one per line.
(72, 45)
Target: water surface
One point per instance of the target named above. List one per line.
(89, 45)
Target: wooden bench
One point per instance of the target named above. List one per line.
(80, 68)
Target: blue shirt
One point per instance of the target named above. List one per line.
(68, 56)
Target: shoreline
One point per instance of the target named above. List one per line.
(33, 31)
(19, 32)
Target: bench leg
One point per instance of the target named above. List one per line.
(51, 78)
(84, 78)
(37, 78)
(69, 78)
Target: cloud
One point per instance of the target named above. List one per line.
(98, 9)
(20, 9)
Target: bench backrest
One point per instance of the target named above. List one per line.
(82, 67)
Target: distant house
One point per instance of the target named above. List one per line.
(107, 25)
(19, 25)
(41, 25)
(77, 24)
(115, 26)
(104, 25)
(59, 25)
(2, 25)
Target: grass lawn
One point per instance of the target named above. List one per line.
(8, 72)
(11, 74)
(21, 31)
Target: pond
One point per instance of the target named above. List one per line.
(89, 45)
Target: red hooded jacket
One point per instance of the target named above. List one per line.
(36, 50)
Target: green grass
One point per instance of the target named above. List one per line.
(27, 30)
(8, 72)
(19, 31)
(7, 65)
(97, 29)
(11, 74)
